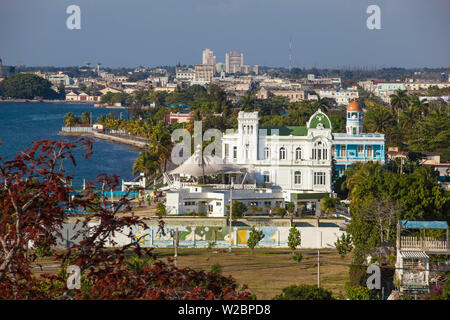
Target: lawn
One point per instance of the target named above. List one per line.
(265, 271)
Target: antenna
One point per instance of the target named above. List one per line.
(290, 54)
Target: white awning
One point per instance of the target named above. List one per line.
(413, 255)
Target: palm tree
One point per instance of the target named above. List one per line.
(248, 102)
(146, 163)
(379, 119)
(322, 103)
(421, 106)
(399, 101)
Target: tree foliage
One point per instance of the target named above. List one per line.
(304, 292)
(26, 86)
(294, 239)
(254, 238)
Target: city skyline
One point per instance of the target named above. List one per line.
(325, 33)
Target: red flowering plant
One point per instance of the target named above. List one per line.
(34, 196)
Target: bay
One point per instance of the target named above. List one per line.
(22, 123)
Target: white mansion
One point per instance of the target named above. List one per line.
(295, 159)
(279, 164)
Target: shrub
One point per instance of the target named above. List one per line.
(216, 268)
(161, 209)
(344, 244)
(254, 238)
(294, 239)
(297, 257)
(360, 293)
(304, 292)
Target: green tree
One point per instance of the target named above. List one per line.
(344, 244)
(290, 207)
(304, 292)
(294, 239)
(147, 162)
(399, 101)
(27, 86)
(328, 204)
(71, 120)
(378, 119)
(238, 210)
(360, 293)
(254, 238)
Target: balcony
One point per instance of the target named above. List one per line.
(426, 244)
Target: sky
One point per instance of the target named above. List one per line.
(325, 33)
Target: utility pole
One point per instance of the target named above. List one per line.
(231, 213)
(318, 268)
(176, 246)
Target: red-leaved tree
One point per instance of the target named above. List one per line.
(34, 195)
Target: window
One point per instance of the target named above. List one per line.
(298, 154)
(282, 153)
(189, 203)
(354, 130)
(227, 150)
(319, 178)
(369, 151)
(360, 149)
(234, 152)
(343, 151)
(266, 153)
(298, 177)
(267, 203)
(320, 151)
(266, 176)
(218, 204)
(333, 151)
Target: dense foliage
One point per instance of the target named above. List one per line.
(26, 86)
(304, 292)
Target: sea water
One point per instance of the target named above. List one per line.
(22, 123)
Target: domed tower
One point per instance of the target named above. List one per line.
(354, 118)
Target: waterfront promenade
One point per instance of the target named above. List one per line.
(111, 136)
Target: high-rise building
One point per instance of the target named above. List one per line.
(204, 72)
(233, 62)
(208, 57)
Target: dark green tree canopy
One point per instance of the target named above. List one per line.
(26, 86)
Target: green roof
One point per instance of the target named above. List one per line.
(287, 131)
(320, 118)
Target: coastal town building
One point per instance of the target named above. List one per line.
(273, 165)
(74, 96)
(208, 57)
(204, 72)
(356, 146)
(342, 96)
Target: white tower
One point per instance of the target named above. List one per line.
(354, 118)
(248, 137)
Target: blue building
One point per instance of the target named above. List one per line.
(354, 145)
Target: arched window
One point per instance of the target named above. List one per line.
(297, 177)
(266, 153)
(282, 153)
(298, 153)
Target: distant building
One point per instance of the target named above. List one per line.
(208, 57)
(342, 96)
(233, 62)
(81, 97)
(204, 72)
(177, 117)
(355, 146)
(185, 74)
(1, 67)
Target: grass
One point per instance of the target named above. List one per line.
(265, 271)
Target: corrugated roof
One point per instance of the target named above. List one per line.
(413, 254)
(424, 224)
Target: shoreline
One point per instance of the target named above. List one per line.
(138, 144)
